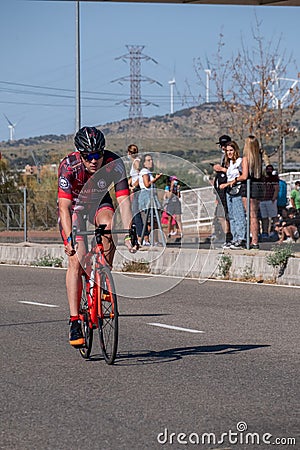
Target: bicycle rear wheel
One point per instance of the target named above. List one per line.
(84, 316)
(107, 315)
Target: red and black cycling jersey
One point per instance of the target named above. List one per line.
(77, 184)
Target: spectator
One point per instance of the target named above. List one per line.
(173, 207)
(165, 216)
(234, 200)
(288, 228)
(221, 212)
(295, 197)
(282, 200)
(147, 181)
(268, 204)
(252, 169)
(135, 188)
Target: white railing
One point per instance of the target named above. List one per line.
(198, 205)
(290, 178)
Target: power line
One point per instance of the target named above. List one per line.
(91, 96)
(56, 89)
(45, 94)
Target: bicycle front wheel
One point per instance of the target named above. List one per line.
(107, 315)
(87, 330)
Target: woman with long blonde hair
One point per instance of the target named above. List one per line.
(252, 169)
(253, 155)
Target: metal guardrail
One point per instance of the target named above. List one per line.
(11, 215)
(198, 207)
(290, 178)
(33, 213)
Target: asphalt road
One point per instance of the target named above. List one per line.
(168, 386)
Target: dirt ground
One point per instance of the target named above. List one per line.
(53, 236)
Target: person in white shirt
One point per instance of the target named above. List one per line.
(236, 211)
(147, 181)
(134, 187)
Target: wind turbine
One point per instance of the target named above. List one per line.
(208, 75)
(172, 83)
(11, 127)
(278, 103)
(275, 83)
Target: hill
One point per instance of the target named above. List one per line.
(191, 133)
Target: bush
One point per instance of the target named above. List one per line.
(224, 266)
(49, 261)
(278, 258)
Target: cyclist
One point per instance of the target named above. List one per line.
(84, 177)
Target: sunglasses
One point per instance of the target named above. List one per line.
(90, 156)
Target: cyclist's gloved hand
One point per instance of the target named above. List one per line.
(131, 248)
(69, 246)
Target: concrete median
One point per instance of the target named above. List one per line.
(180, 262)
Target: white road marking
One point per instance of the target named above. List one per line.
(171, 327)
(39, 304)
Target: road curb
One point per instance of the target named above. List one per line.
(189, 263)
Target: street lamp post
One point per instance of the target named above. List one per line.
(78, 106)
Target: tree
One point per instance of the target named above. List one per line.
(42, 199)
(252, 85)
(9, 184)
(11, 195)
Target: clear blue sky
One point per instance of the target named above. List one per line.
(38, 49)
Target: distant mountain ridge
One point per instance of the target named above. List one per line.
(186, 121)
(190, 133)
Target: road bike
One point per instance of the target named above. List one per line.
(98, 305)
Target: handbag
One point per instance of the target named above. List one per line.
(234, 190)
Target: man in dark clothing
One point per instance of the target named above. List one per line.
(268, 204)
(221, 212)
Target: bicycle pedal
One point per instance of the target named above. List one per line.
(109, 316)
(77, 346)
(106, 297)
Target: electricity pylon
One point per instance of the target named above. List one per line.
(135, 78)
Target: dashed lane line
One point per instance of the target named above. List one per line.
(172, 327)
(38, 304)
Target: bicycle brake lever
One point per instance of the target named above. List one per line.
(133, 236)
(73, 236)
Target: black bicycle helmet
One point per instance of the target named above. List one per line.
(89, 140)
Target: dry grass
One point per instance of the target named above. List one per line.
(138, 266)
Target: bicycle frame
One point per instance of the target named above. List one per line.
(94, 260)
(98, 304)
(92, 286)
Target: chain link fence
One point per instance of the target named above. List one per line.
(26, 212)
